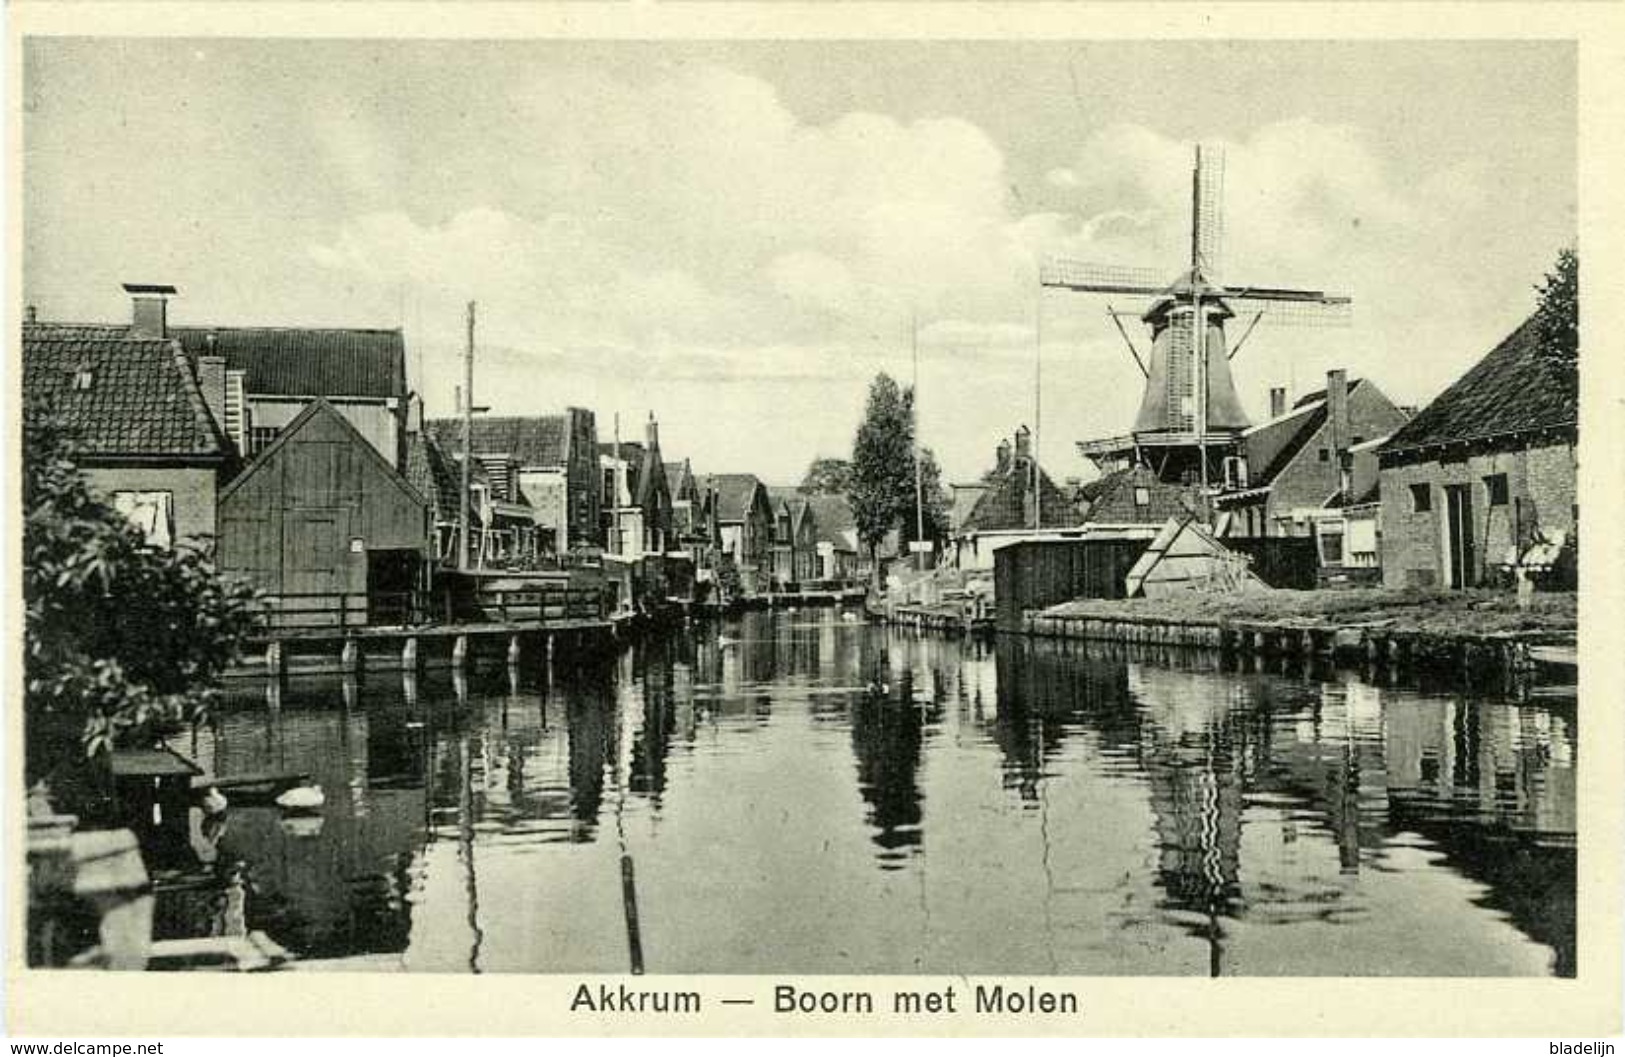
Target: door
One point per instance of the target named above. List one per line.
(1460, 561)
(392, 586)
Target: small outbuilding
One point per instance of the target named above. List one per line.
(322, 523)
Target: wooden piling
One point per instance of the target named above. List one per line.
(350, 657)
(513, 651)
(410, 659)
(459, 652)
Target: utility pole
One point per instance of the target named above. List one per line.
(919, 487)
(1199, 358)
(615, 487)
(463, 558)
(1038, 408)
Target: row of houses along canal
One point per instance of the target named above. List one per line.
(803, 791)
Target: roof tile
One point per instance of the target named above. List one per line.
(141, 399)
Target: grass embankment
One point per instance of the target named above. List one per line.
(1426, 611)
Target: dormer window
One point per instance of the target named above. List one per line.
(83, 379)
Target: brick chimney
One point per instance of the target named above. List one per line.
(149, 309)
(651, 433)
(30, 314)
(1024, 444)
(211, 379)
(1337, 414)
(1277, 402)
(1337, 408)
(1003, 459)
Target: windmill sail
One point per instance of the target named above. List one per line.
(1207, 210)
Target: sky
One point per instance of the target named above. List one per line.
(737, 236)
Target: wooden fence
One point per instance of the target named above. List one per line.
(339, 612)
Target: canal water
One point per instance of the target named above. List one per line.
(798, 792)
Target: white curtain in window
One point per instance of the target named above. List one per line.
(151, 512)
(1362, 536)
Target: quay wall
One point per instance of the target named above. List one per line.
(1474, 654)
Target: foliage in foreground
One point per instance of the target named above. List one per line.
(125, 636)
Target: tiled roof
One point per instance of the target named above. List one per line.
(1272, 445)
(141, 399)
(679, 478)
(1512, 390)
(532, 440)
(832, 518)
(1005, 503)
(1112, 498)
(734, 492)
(435, 474)
(778, 495)
(650, 470)
(307, 361)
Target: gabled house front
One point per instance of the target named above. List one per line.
(795, 537)
(551, 460)
(139, 421)
(835, 540)
(1483, 479)
(1013, 500)
(745, 525)
(1310, 471)
(323, 524)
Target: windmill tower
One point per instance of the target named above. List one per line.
(1189, 417)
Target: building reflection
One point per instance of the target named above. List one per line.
(1490, 783)
(1232, 770)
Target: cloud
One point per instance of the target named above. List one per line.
(686, 228)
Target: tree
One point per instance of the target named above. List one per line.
(882, 484)
(122, 636)
(1557, 317)
(827, 476)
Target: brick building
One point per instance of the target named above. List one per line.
(1311, 471)
(139, 420)
(549, 460)
(795, 536)
(745, 525)
(1484, 472)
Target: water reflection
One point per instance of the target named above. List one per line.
(796, 792)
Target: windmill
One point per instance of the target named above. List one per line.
(1190, 406)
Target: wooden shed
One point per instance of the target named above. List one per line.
(329, 529)
(1034, 574)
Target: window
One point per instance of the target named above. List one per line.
(260, 438)
(1325, 455)
(1331, 546)
(153, 513)
(1496, 485)
(83, 378)
(1421, 498)
(1142, 497)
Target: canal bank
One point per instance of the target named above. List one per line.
(1476, 633)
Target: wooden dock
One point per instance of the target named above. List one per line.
(351, 650)
(1473, 655)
